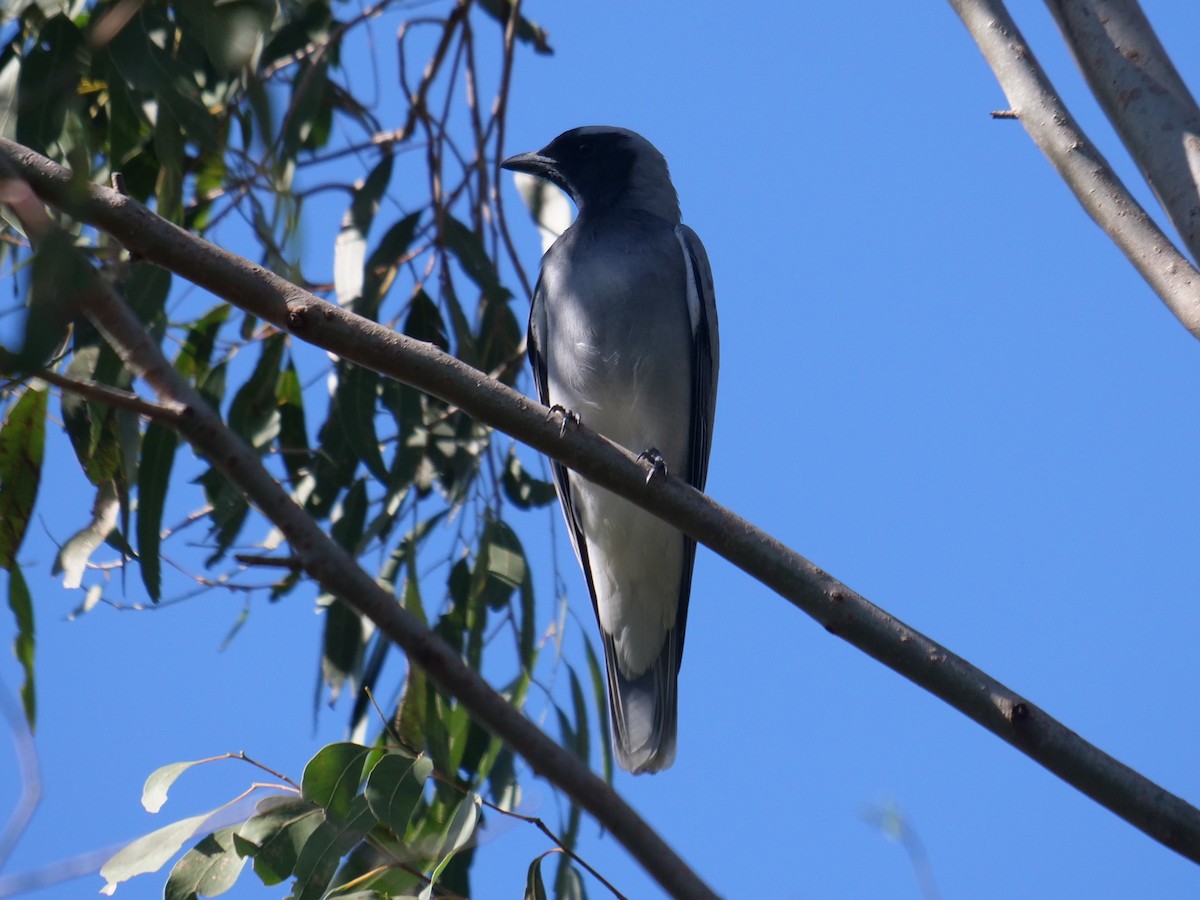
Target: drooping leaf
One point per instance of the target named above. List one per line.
(154, 477)
(535, 887)
(342, 644)
(501, 566)
(21, 604)
(46, 86)
(195, 356)
(350, 247)
(521, 488)
(229, 31)
(169, 148)
(293, 430)
(568, 885)
(479, 266)
(582, 733)
(207, 870)
(457, 833)
(357, 393)
(329, 842)
(503, 783)
(146, 293)
(139, 54)
(424, 321)
(306, 123)
(154, 791)
(384, 262)
(275, 835)
(229, 510)
(22, 447)
(254, 413)
(58, 275)
(600, 701)
(332, 777)
(393, 789)
(526, 31)
(150, 852)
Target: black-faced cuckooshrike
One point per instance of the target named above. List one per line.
(623, 332)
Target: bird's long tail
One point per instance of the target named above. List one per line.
(644, 709)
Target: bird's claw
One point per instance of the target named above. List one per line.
(658, 465)
(568, 415)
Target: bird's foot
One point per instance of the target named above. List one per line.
(658, 465)
(568, 415)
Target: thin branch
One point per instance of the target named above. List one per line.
(332, 566)
(111, 396)
(1085, 170)
(1144, 97)
(28, 773)
(1160, 814)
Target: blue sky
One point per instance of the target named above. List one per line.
(940, 382)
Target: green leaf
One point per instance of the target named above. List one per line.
(146, 293)
(150, 852)
(195, 356)
(154, 476)
(57, 275)
(600, 699)
(331, 840)
(582, 738)
(154, 791)
(567, 883)
(457, 833)
(22, 447)
(350, 248)
(501, 565)
(535, 888)
(229, 31)
(229, 510)
(293, 430)
(21, 605)
(384, 262)
(306, 123)
(254, 413)
(170, 150)
(424, 321)
(275, 835)
(468, 249)
(46, 85)
(332, 777)
(527, 32)
(393, 789)
(357, 392)
(208, 869)
(139, 55)
(522, 489)
(503, 783)
(344, 638)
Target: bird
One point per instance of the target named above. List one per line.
(623, 336)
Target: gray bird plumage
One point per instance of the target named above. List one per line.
(623, 332)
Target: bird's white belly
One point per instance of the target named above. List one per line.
(636, 559)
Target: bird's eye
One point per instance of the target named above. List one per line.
(584, 150)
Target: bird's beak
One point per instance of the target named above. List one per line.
(531, 164)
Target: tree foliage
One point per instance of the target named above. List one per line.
(243, 122)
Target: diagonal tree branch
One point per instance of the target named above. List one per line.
(1129, 72)
(1085, 170)
(183, 409)
(1160, 814)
